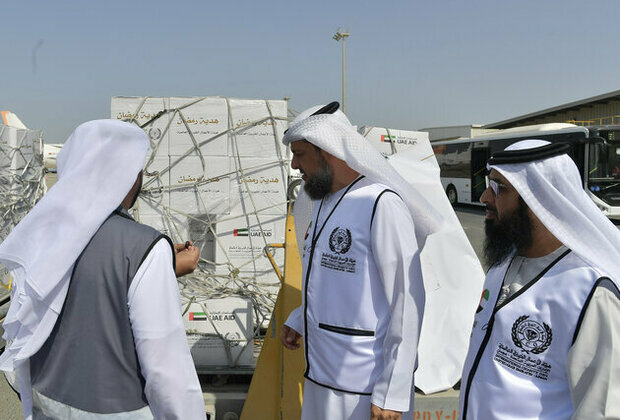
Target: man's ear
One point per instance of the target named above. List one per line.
(326, 156)
(534, 220)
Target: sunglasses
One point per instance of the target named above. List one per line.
(495, 185)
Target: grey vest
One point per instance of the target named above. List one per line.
(89, 360)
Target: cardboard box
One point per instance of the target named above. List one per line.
(200, 186)
(219, 172)
(262, 179)
(155, 195)
(211, 126)
(21, 178)
(206, 119)
(241, 242)
(212, 325)
(142, 110)
(259, 127)
(20, 149)
(230, 244)
(388, 141)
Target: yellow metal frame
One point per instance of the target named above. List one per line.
(609, 120)
(7, 287)
(273, 261)
(276, 389)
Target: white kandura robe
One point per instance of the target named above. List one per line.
(392, 236)
(172, 388)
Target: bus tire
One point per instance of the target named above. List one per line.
(452, 195)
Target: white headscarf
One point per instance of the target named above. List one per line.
(335, 134)
(452, 274)
(97, 167)
(553, 190)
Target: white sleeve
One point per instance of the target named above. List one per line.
(295, 320)
(172, 387)
(396, 254)
(593, 363)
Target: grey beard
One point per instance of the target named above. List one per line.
(319, 185)
(502, 236)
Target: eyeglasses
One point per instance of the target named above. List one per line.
(495, 185)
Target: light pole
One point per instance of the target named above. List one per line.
(340, 34)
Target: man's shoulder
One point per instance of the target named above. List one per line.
(575, 267)
(127, 226)
(374, 189)
(575, 262)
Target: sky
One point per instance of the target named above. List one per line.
(409, 64)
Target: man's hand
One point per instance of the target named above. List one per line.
(290, 338)
(187, 256)
(377, 413)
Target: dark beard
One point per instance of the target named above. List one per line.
(319, 185)
(502, 236)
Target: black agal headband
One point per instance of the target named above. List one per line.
(330, 108)
(529, 155)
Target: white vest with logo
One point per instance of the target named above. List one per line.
(516, 364)
(345, 309)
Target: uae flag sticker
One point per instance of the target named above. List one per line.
(240, 232)
(197, 316)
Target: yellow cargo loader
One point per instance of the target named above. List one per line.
(277, 384)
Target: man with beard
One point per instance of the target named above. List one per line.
(363, 296)
(94, 330)
(545, 342)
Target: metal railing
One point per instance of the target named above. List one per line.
(610, 120)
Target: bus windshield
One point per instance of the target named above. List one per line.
(604, 167)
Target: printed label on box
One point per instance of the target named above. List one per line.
(211, 323)
(243, 244)
(141, 111)
(198, 186)
(205, 119)
(388, 141)
(258, 186)
(258, 133)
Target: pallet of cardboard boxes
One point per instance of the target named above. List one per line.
(217, 175)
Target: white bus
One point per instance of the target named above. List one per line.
(596, 151)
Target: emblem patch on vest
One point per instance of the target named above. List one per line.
(531, 338)
(339, 244)
(340, 240)
(530, 335)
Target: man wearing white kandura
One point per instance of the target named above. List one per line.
(362, 289)
(94, 330)
(546, 337)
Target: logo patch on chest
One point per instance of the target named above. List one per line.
(340, 240)
(531, 336)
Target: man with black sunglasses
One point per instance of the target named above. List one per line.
(546, 336)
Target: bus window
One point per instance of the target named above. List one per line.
(479, 159)
(604, 169)
(455, 160)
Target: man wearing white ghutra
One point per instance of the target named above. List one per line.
(546, 337)
(362, 289)
(94, 330)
